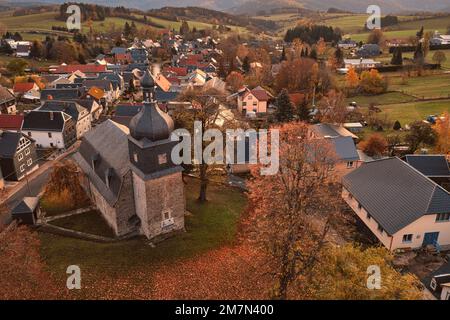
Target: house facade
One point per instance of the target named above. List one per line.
(7, 101)
(50, 129)
(17, 155)
(401, 207)
(253, 101)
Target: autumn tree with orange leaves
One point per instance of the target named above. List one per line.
(443, 134)
(291, 212)
(235, 80)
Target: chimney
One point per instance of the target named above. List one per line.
(49, 97)
(51, 116)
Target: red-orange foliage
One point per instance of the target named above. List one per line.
(22, 272)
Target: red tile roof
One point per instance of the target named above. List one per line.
(259, 94)
(181, 72)
(85, 68)
(11, 122)
(23, 87)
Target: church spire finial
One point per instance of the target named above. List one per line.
(148, 87)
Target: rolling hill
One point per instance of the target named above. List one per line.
(250, 6)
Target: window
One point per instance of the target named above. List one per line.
(350, 164)
(162, 158)
(135, 157)
(244, 104)
(49, 134)
(433, 284)
(368, 216)
(29, 162)
(443, 217)
(407, 238)
(359, 206)
(20, 157)
(29, 133)
(27, 151)
(22, 168)
(255, 103)
(166, 215)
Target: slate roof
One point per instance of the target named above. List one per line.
(61, 94)
(85, 68)
(102, 84)
(8, 143)
(395, 194)
(27, 205)
(165, 96)
(127, 110)
(107, 145)
(72, 108)
(430, 165)
(41, 120)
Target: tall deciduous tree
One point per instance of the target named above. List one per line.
(290, 212)
(420, 133)
(375, 145)
(443, 133)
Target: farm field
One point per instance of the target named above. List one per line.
(42, 22)
(430, 86)
(382, 99)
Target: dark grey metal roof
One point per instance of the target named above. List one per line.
(394, 193)
(72, 108)
(5, 95)
(430, 165)
(127, 110)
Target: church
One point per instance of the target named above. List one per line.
(129, 174)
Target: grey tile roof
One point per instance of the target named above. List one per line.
(127, 110)
(345, 148)
(395, 194)
(61, 94)
(107, 145)
(430, 165)
(72, 108)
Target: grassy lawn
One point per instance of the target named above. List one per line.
(429, 86)
(410, 112)
(211, 225)
(90, 222)
(382, 99)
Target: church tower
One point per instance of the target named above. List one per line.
(157, 181)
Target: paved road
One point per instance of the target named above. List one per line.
(34, 187)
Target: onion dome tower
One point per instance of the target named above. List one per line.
(157, 181)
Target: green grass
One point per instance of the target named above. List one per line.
(430, 86)
(409, 112)
(382, 99)
(90, 222)
(211, 225)
(43, 23)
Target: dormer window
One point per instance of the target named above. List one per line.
(135, 157)
(94, 160)
(162, 158)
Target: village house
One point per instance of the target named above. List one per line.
(369, 50)
(347, 44)
(26, 211)
(361, 64)
(17, 155)
(78, 113)
(27, 91)
(129, 172)
(7, 101)
(402, 207)
(433, 166)
(50, 129)
(440, 39)
(253, 101)
(438, 282)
